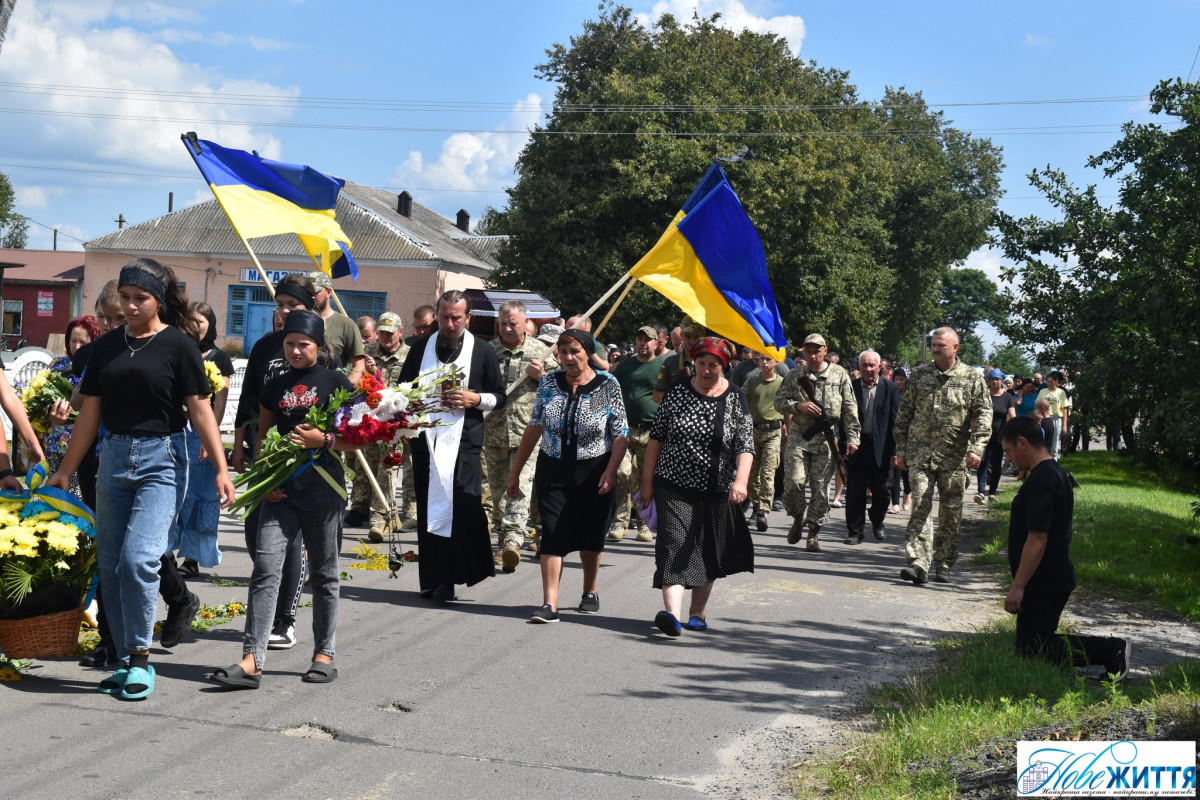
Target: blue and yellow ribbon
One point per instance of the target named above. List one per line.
(63, 502)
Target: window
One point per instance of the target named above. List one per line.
(239, 298)
(13, 312)
(363, 304)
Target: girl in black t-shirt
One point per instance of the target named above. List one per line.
(308, 507)
(293, 293)
(138, 380)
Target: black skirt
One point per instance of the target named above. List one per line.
(699, 539)
(575, 516)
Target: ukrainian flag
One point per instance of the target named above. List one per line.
(710, 262)
(264, 198)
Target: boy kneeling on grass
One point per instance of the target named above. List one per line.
(1039, 556)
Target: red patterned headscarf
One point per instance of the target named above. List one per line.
(713, 345)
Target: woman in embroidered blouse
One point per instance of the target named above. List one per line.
(697, 467)
(579, 418)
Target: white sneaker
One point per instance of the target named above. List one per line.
(980, 499)
(282, 639)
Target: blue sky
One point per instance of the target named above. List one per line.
(128, 77)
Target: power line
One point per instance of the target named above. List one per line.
(1048, 130)
(320, 102)
(1189, 78)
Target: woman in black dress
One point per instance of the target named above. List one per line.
(579, 418)
(697, 468)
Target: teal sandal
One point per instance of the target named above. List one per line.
(115, 683)
(138, 677)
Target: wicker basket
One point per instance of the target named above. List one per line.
(38, 637)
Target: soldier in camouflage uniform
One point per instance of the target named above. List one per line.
(522, 357)
(385, 355)
(945, 415)
(809, 458)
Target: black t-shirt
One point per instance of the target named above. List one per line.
(1000, 407)
(222, 360)
(79, 361)
(144, 392)
(292, 394)
(1044, 503)
(266, 362)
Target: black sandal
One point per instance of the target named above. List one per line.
(189, 568)
(320, 672)
(235, 678)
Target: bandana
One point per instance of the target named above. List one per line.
(144, 279)
(713, 345)
(297, 291)
(583, 337)
(307, 323)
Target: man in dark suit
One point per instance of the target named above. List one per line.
(878, 405)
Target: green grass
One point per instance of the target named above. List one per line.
(1131, 527)
(980, 691)
(1131, 530)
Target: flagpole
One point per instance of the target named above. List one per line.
(613, 310)
(606, 295)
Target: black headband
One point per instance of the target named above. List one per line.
(297, 291)
(144, 279)
(307, 323)
(583, 337)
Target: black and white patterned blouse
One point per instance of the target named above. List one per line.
(699, 449)
(579, 425)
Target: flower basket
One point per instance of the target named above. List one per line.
(41, 636)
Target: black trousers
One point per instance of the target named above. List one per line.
(1037, 634)
(862, 474)
(990, 466)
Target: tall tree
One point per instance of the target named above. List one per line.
(13, 227)
(1113, 293)
(968, 298)
(638, 116)
(6, 10)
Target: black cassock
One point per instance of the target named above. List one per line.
(466, 556)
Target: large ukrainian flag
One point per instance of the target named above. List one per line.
(265, 198)
(710, 262)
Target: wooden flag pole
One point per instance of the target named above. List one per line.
(606, 295)
(611, 311)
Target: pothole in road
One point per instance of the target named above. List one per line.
(396, 708)
(310, 731)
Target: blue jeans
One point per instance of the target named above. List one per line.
(194, 534)
(139, 490)
(312, 511)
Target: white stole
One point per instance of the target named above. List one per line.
(443, 440)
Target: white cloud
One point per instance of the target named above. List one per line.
(473, 161)
(33, 197)
(76, 43)
(1036, 40)
(70, 237)
(986, 259)
(734, 16)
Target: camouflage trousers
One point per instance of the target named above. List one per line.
(922, 547)
(802, 467)
(362, 496)
(509, 515)
(629, 478)
(762, 474)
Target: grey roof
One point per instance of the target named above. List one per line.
(381, 235)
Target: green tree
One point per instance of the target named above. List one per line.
(1011, 359)
(969, 297)
(1108, 286)
(639, 114)
(14, 229)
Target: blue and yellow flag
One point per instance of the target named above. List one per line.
(264, 198)
(710, 262)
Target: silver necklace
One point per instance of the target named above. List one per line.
(132, 351)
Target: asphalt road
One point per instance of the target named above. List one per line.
(471, 700)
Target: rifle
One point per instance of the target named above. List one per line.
(823, 425)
